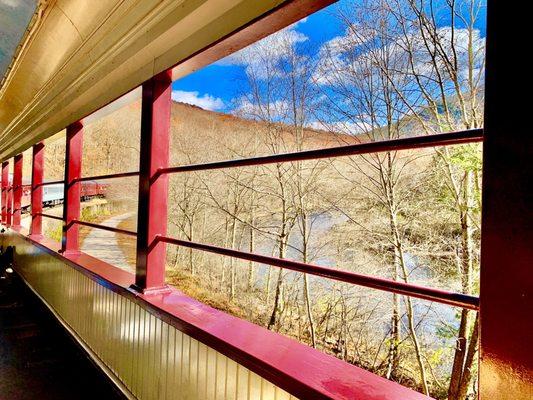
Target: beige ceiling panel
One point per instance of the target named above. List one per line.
(40, 63)
(87, 53)
(87, 15)
(81, 59)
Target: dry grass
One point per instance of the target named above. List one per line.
(193, 287)
(182, 280)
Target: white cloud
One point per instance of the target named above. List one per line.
(205, 101)
(356, 35)
(354, 53)
(10, 3)
(274, 111)
(262, 57)
(343, 127)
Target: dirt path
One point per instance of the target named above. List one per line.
(58, 211)
(103, 244)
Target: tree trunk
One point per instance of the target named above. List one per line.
(393, 359)
(232, 260)
(460, 365)
(283, 239)
(267, 284)
(400, 259)
(459, 357)
(278, 295)
(251, 248)
(306, 292)
(191, 238)
(469, 362)
(309, 310)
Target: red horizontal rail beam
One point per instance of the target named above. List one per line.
(418, 142)
(49, 216)
(108, 176)
(422, 292)
(105, 228)
(50, 183)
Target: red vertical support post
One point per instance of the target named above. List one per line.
(506, 286)
(37, 189)
(72, 193)
(17, 190)
(5, 184)
(153, 188)
(9, 206)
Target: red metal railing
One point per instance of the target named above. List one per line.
(48, 183)
(9, 207)
(418, 142)
(5, 185)
(108, 176)
(100, 226)
(104, 227)
(440, 296)
(17, 190)
(90, 224)
(49, 216)
(153, 197)
(506, 232)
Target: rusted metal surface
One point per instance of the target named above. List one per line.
(71, 206)
(153, 188)
(426, 293)
(506, 291)
(17, 189)
(418, 142)
(163, 345)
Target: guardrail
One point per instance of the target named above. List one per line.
(426, 293)
(108, 176)
(417, 142)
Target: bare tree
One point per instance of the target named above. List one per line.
(433, 75)
(365, 92)
(449, 79)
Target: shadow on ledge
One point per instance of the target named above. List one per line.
(38, 358)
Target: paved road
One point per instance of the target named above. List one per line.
(103, 244)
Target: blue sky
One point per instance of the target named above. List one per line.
(216, 86)
(221, 81)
